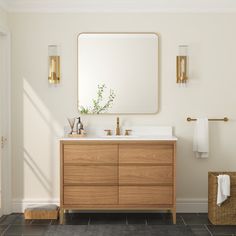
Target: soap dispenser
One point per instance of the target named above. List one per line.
(79, 127)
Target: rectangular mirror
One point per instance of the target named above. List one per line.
(118, 73)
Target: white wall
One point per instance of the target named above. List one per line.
(3, 19)
(39, 111)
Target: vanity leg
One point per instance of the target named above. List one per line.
(61, 216)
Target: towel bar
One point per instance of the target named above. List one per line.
(224, 119)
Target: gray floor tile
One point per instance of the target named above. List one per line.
(222, 229)
(20, 220)
(115, 224)
(223, 234)
(108, 218)
(3, 228)
(120, 230)
(200, 230)
(80, 218)
(195, 218)
(179, 219)
(26, 230)
(81, 215)
(41, 222)
(66, 230)
(76, 222)
(23, 235)
(136, 218)
(55, 222)
(171, 230)
(106, 230)
(68, 215)
(74, 219)
(8, 219)
(159, 219)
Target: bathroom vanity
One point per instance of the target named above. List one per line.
(118, 174)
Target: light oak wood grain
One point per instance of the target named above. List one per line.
(119, 175)
(91, 174)
(90, 154)
(145, 153)
(145, 195)
(120, 207)
(141, 175)
(90, 195)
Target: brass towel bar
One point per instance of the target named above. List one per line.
(224, 119)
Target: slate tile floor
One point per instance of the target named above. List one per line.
(115, 224)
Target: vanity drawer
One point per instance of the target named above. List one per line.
(145, 195)
(90, 174)
(74, 195)
(77, 154)
(139, 175)
(146, 153)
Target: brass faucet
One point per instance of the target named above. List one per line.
(117, 126)
(118, 130)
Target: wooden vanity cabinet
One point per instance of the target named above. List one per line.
(121, 175)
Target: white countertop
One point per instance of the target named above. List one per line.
(139, 133)
(128, 138)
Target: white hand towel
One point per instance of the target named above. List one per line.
(201, 138)
(223, 191)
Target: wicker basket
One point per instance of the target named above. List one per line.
(226, 213)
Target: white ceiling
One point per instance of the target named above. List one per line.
(119, 5)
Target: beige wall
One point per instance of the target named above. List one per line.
(39, 111)
(3, 19)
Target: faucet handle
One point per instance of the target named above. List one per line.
(127, 131)
(108, 131)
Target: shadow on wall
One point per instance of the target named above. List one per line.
(37, 171)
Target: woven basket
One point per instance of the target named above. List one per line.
(226, 213)
(42, 212)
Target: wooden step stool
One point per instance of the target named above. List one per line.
(46, 212)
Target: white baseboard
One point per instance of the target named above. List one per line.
(186, 205)
(189, 205)
(19, 205)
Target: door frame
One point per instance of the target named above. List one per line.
(6, 173)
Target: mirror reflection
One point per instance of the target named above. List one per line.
(118, 73)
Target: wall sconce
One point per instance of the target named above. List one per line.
(182, 65)
(54, 75)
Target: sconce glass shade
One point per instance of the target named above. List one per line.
(181, 65)
(53, 65)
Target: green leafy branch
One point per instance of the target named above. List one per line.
(98, 104)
